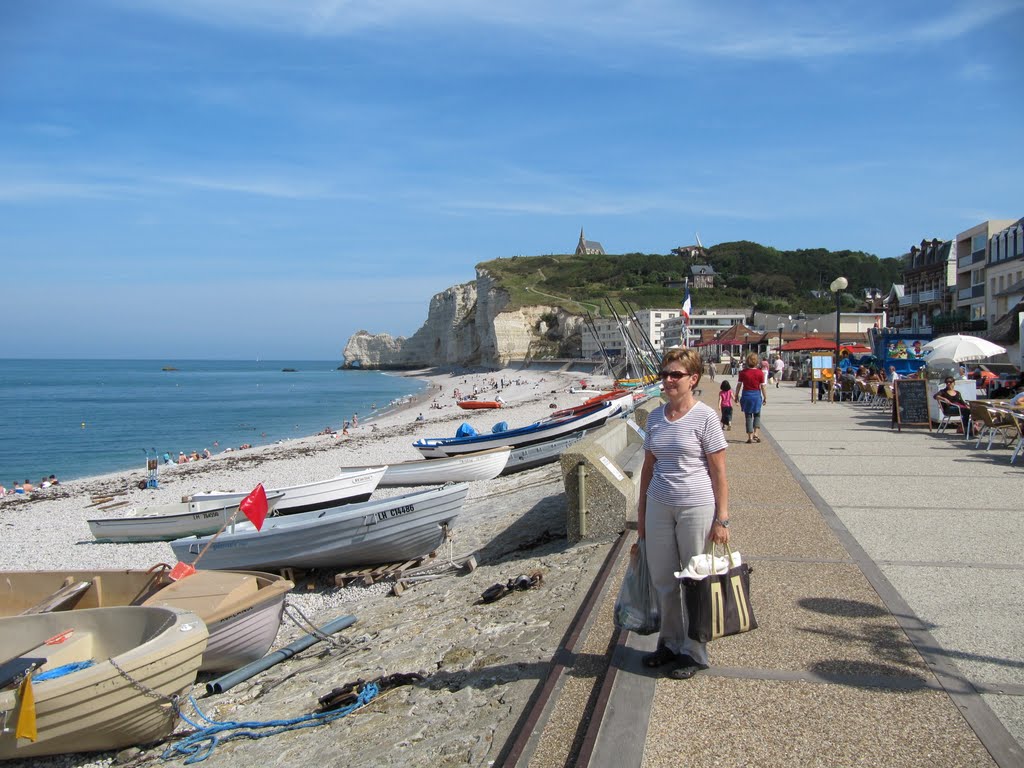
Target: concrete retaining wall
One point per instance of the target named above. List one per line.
(611, 458)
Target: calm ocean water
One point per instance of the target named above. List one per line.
(75, 418)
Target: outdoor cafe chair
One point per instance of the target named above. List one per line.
(950, 418)
(844, 391)
(1014, 420)
(991, 425)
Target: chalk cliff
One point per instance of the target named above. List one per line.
(470, 324)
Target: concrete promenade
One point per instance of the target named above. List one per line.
(889, 587)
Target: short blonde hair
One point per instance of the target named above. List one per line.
(753, 360)
(688, 358)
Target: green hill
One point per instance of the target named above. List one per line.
(748, 274)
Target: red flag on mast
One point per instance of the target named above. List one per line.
(254, 506)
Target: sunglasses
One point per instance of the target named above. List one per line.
(949, 381)
(674, 375)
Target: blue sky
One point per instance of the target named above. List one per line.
(242, 178)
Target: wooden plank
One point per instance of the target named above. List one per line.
(115, 505)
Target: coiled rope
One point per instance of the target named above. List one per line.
(209, 733)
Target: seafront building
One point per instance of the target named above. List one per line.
(610, 336)
(678, 333)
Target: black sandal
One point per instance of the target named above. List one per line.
(659, 658)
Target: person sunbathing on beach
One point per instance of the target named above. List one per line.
(27, 486)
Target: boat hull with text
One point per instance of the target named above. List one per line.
(171, 521)
(388, 530)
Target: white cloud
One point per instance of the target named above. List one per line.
(750, 30)
(27, 184)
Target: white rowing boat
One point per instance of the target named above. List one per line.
(384, 531)
(465, 468)
(350, 486)
(171, 521)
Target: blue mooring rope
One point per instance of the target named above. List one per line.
(200, 745)
(66, 669)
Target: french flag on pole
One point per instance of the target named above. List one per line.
(687, 305)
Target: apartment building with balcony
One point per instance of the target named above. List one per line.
(972, 261)
(927, 275)
(609, 335)
(1005, 270)
(702, 325)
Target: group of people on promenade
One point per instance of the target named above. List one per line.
(28, 486)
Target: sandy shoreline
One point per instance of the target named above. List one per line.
(480, 662)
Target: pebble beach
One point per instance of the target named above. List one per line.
(480, 662)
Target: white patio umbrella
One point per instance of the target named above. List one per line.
(959, 349)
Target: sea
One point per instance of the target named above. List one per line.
(78, 418)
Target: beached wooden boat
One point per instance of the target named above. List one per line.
(171, 521)
(467, 468)
(546, 429)
(241, 609)
(350, 486)
(474, 405)
(97, 708)
(384, 531)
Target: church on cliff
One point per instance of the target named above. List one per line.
(588, 246)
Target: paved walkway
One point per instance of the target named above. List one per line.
(889, 587)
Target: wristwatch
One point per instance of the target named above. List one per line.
(721, 522)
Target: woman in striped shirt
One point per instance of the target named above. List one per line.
(684, 503)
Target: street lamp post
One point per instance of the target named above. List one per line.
(838, 286)
(782, 327)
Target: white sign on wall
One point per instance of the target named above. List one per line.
(612, 468)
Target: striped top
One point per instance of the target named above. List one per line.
(681, 448)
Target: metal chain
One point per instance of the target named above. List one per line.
(141, 687)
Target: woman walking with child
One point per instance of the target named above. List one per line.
(684, 503)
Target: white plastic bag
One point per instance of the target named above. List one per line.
(636, 608)
(703, 565)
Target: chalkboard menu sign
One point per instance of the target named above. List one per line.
(911, 402)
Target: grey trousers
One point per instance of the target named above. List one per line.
(674, 535)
